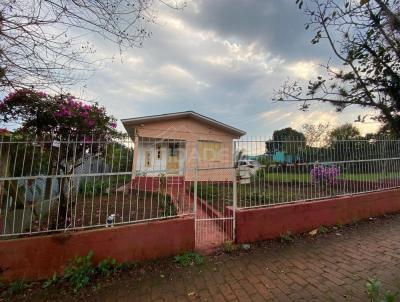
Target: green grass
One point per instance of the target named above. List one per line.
(303, 177)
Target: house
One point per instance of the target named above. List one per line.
(182, 144)
(282, 157)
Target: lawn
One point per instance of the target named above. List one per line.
(304, 177)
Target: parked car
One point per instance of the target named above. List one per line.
(249, 164)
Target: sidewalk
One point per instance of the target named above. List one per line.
(330, 267)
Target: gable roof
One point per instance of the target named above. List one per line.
(176, 115)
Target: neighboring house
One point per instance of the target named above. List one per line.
(284, 158)
(177, 143)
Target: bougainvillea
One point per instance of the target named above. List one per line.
(324, 174)
(62, 116)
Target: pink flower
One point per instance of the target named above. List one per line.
(113, 125)
(90, 123)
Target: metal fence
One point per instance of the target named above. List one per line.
(286, 171)
(48, 185)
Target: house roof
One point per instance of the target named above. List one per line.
(170, 116)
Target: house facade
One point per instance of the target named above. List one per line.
(182, 144)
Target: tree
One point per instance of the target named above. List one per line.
(287, 140)
(64, 130)
(317, 134)
(42, 41)
(345, 132)
(365, 40)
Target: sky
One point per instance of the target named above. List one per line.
(222, 59)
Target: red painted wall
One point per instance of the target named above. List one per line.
(39, 257)
(270, 222)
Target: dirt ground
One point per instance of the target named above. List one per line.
(332, 266)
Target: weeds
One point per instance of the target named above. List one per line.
(79, 272)
(53, 280)
(190, 258)
(287, 237)
(374, 293)
(322, 230)
(17, 287)
(229, 247)
(108, 266)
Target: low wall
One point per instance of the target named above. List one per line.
(39, 257)
(270, 222)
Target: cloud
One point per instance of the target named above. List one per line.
(221, 58)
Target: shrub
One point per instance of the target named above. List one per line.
(108, 266)
(324, 174)
(80, 271)
(190, 258)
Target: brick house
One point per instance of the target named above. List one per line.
(175, 144)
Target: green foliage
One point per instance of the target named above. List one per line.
(229, 247)
(17, 287)
(108, 266)
(53, 280)
(322, 230)
(367, 60)
(287, 140)
(80, 271)
(287, 237)
(345, 132)
(167, 207)
(374, 292)
(189, 259)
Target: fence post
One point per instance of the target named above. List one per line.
(196, 176)
(234, 189)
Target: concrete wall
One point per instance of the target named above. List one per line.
(270, 222)
(39, 257)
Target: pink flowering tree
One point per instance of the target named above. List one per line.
(44, 119)
(61, 116)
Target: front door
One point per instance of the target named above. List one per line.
(173, 158)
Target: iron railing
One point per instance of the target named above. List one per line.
(48, 185)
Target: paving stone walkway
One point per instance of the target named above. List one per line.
(328, 267)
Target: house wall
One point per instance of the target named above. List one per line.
(157, 166)
(191, 131)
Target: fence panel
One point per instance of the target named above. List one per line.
(49, 185)
(274, 172)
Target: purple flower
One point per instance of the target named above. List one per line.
(90, 123)
(113, 125)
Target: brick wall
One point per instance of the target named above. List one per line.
(270, 222)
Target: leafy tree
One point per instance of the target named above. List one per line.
(345, 132)
(287, 140)
(43, 43)
(61, 129)
(365, 40)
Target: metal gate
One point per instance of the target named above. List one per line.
(215, 198)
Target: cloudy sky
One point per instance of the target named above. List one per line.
(222, 59)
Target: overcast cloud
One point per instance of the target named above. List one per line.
(219, 58)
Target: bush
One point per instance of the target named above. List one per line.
(80, 271)
(190, 258)
(325, 175)
(108, 266)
